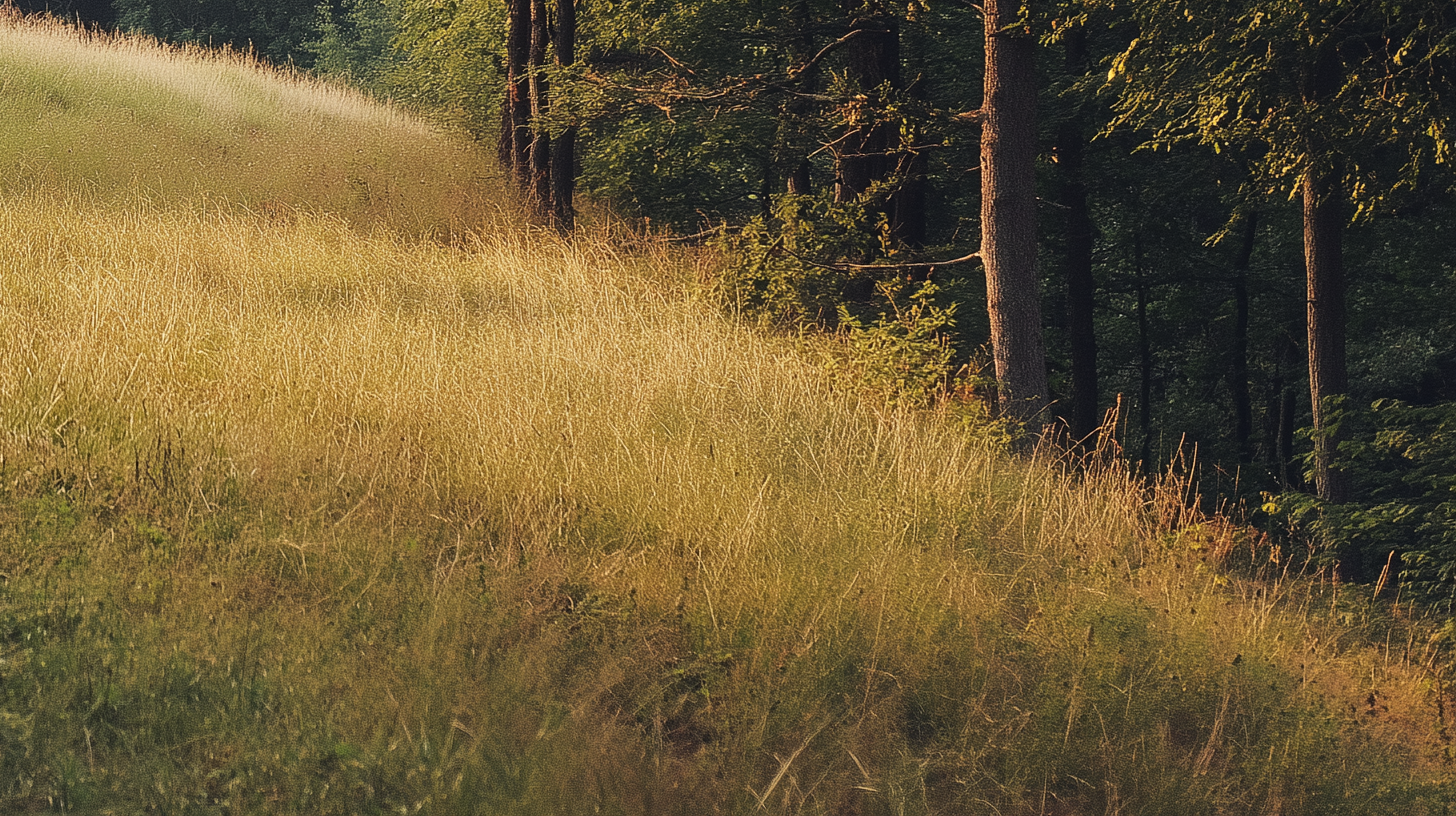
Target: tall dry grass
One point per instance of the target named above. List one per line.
(300, 513)
(117, 118)
(401, 482)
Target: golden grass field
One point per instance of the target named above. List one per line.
(327, 488)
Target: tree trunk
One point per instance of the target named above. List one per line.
(800, 182)
(539, 194)
(906, 206)
(907, 202)
(1081, 415)
(1286, 357)
(516, 143)
(873, 60)
(796, 110)
(1325, 279)
(506, 143)
(1239, 367)
(1145, 359)
(1008, 213)
(563, 157)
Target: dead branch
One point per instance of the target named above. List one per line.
(823, 52)
(673, 61)
(854, 267)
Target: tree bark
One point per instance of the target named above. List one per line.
(795, 110)
(800, 182)
(906, 205)
(1008, 213)
(516, 142)
(1239, 366)
(1081, 414)
(563, 156)
(1325, 283)
(506, 143)
(907, 202)
(873, 60)
(539, 194)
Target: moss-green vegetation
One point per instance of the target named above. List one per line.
(302, 514)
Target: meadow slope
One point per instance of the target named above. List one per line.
(324, 489)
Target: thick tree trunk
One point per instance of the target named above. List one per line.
(873, 60)
(907, 202)
(800, 182)
(791, 155)
(563, 180)
(539, 194)
(516, 142)
(1081, 414)
(563, 157)
(1325, 279)
(1239, 366)
(1008, 213)
(906, 206)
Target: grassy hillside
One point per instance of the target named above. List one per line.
(302, 511)
(125, 120)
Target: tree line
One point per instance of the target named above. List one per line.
(1225, 222)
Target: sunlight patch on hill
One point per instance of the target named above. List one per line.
(121, 117)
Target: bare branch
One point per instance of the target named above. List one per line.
(853, 267)
(707, 233)
(674, 62)
(897, 151)
(831, 145)
(824, 52)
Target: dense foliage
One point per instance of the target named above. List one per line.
(275, 30)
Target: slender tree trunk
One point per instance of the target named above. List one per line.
(1323, 199)
(1286, 392)
(766, 181)
(1082, 414)
(1008, 213)
(1239, 368)
(1325, 279)
(563, 157)
(516, 143)
(506, 144)
(539, 194)
(1145, 359)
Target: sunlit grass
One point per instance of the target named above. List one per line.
(125, 117)
(304, 512)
